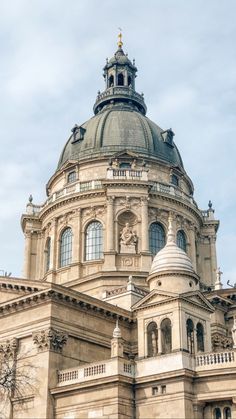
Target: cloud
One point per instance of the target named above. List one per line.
(52, 56)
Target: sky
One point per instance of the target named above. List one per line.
(52, 54)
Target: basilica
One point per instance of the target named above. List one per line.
(121, 312)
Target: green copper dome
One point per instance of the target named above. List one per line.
(120, 122)
(118, 127)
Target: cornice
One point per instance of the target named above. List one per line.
(73, 298)
(68, 199)
(195, 211)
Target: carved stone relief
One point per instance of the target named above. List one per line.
(8, 349)
(220, 342)
(49, 339)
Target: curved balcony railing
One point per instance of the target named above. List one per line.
(118, 174)
(119, 92)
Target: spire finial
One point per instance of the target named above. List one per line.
(120, 43)
(116, 331)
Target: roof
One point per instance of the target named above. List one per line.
(116, 127)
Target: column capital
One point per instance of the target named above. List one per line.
(49, 340)
(8, 349)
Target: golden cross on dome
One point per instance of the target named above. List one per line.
(120, 43)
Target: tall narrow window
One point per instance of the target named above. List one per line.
(47, 254)
(111, 81)
(66, 247)
(120, 79)
(94, 241)
(129, 81)
(71, 177)
(156, 237)
(200, 338)
(190, 335)
(152, 339)
(175, 180)
(166, 338)
(227, 413)
(181, 240)
(217, 413)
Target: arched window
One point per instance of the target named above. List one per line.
(217, 413)
(190, 335)
(47, 254)
(227, 413)
(200, 338)
(66, 247)
(111, 81)
(120, 79)
(175, 180)
(94, 241)
(71, 177)
(181, 240)
(152, 339)
(166, 338)
(156, 237)
(129, 81)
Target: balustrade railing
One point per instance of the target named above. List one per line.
(108, 368)
(215, 358)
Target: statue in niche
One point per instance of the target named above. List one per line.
(128, 240)
(234, 333)
(154, 343)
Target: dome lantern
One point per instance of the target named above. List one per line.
(119, 74)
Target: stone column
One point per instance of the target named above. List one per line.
(144, 228)
(110, 225)
(198, 410)
(53, 256)
(40, 271)
(213, 258)
(27, 255)
(76, 236)
(192, 249)
(159, 340)
(195, 339)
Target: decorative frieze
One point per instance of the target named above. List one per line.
(49, 340)
(93, 211)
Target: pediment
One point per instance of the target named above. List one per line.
(125, 154)
(154, 297)
(196, 297)
(68, 164)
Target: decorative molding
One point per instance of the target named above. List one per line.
(93, 211)
(49, 340)
(8, 349)
(75, 299)
(220, 342)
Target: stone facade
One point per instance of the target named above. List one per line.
(107, 331)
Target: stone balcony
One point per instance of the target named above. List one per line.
(215, 360)
(117, 92)
(115, 174)
(148, 366)
(107, 368)
(127, 174)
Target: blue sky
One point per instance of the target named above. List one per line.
(52, 54)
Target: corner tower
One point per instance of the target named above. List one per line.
(118, 178)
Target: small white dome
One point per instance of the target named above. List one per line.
(171, 257)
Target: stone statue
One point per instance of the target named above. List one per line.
(154, 344)
(128, 240)
(127, 235)
(233, 330)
